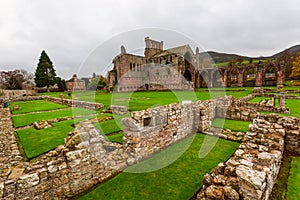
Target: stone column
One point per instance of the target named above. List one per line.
(280, 75)
(281, 100)
(258, 77)
(240, 79)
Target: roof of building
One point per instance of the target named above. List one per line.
(180, 50)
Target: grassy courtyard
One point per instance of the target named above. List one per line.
(34, 106)
(234, 125)
(36, 142)
(28, 119)
(293, 181)
(180, 180)
(143, 100)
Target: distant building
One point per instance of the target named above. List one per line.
(180, 68)
(158, 69)
(75, 83)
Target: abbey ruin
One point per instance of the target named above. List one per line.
(180, 68)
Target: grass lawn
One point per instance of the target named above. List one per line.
(28, 119)
(233, 125)
(293, 182)
(36, 142)
(108, 126)
(118, 137)
(180, 180)
(143, 100)
(280, 188)
(34, 106)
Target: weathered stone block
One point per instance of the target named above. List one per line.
(1, 189)
(28, 180)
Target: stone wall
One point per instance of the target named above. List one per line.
(251, 172)
(151, 130)
(292, 128)
(243, 102)
(76, 103)
(85, 159)
(16, 93)
(63, 101)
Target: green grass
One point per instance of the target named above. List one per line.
(143, 100)
(180, 180)
(118, 137)
(233, 125)
(34, 106)
(293, 181)
(28, 119)
(293, 104)
(109, 126)
(36, 142)
(280, 188)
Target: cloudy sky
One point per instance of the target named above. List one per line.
(84, 36)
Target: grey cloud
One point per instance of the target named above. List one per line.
(70, 30)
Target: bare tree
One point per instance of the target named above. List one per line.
(27, 78)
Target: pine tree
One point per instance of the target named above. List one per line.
(296, 65)
(45, 73)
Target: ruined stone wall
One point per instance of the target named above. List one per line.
(292, 129)
(63, 101)
(84, 160)
(243, 102)
(76, 103)
(16, 93)
(251, 172)
(151, 130)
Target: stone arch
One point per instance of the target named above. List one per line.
(217, 79)
(249, 75)
(187, 75)
(270, 74)
(204, 78)
(187, 59)
(233, 76)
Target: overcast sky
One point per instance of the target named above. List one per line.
(84, 36)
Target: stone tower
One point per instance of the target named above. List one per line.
(152, 47)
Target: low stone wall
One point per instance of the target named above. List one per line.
(85, 160)
(67, 102)
(118, 110)
(151, 130)
(251, 172)
(7, 94)
(264, 108)
(76, 103)
(292, 128)
(244, 102)
(226, 134)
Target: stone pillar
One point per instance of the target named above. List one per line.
(258, 76)
(280, 75)
(240, 79)
(281, 100)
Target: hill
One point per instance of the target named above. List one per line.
(290, 51)
(219, 57)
